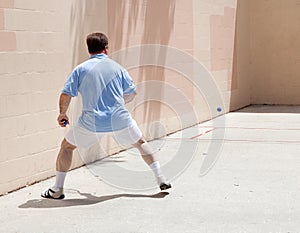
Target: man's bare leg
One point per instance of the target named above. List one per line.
(148, 155)
(63, 164)
(64, 158)
(146, 151)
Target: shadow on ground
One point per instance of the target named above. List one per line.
(271, 109)
(88, 200)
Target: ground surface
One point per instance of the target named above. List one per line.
(253, 186)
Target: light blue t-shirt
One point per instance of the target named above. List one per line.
(102, 83)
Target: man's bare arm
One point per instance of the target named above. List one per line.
(64, 102)
(129, 98)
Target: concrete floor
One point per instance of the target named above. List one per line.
(253, 186)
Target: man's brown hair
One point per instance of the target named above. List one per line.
(96, 42)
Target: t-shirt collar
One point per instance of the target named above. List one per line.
(99, 55)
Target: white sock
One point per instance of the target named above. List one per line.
(155, 166)
(60, 180)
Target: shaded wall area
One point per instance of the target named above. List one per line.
(155, 22)
(241, 78)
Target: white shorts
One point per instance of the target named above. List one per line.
(83, 138)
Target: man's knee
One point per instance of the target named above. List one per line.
(144, 147)
(65, 145)
(141, 141)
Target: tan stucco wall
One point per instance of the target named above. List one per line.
(241, 75)
(275, 51)
(267, 53)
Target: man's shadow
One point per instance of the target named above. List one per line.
(88, 200)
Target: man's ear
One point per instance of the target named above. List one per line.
(105, 50)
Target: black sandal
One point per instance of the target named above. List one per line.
(49, 193)
(165, 186)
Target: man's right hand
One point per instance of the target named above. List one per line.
(61, 119)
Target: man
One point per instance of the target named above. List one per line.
(105, 87)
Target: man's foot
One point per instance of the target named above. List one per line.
(50, 193)
(163, 183)
(164, 186)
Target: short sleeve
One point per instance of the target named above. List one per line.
(127, 83)
(72, 84)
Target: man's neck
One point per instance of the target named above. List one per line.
(103, 52)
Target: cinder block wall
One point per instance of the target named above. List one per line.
(34, 59)
(42, 41)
